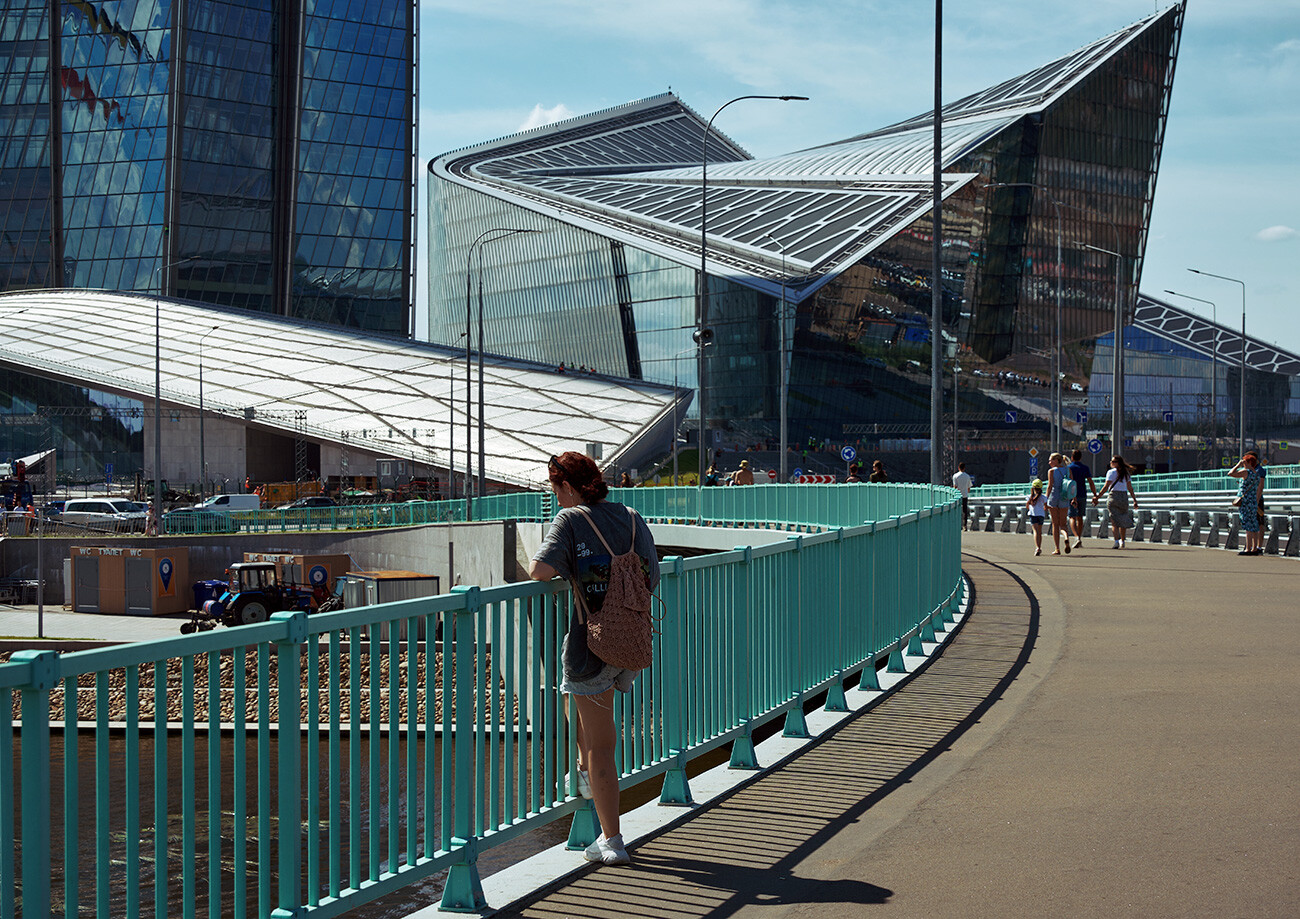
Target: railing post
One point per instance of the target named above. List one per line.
(743, 755)
(835, 698)
(795, 723)
(36, 777)
(463, 892)
(676, 789)
(288, 652)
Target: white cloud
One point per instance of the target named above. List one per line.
(1276, 234)
(540, 116)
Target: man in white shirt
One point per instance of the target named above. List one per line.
(962, 482)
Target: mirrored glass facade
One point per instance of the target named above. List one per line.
(250, 153)
(1040, 172)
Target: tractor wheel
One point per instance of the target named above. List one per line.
(188, 628)
(251, 612)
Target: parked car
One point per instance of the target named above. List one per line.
(198, 520)
(225, 503)
(117, 514)
(310, 501)
(53, 510)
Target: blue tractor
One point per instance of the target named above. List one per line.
(253, 592)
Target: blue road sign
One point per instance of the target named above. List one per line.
(1011, 417)
(108, 473)
(848, 454)
(1128, 441)
(1033, 465)
(796, 474)
(1081, 417)
(1169, 417)
(1094, 446)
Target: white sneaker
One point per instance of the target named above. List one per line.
(1121, 544)
(584, 784)
(608, 851)
(1117, 545)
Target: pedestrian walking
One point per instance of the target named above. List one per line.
(575, 548)
(1250, 501)
(1119, 483)
(1081, 475)
(961, 481)
(1058, 503)
(1037, 504)
(878, 472)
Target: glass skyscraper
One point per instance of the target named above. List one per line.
(826, 251)
(249, 153)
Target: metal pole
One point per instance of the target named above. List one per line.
(936, 278)
(783, 379)
(1117, 363)
(1214, 373)
(702, 331)
(203, 465)
(482, 454)
(1241, 411)
(157, 387)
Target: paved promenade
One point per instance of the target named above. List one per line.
(1111, 733)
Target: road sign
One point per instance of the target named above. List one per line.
(848, 454)
(108, 473)
(796, 474)
(1169, 417)
(1011, 417)
(1081, 417)
(1094, 446)
(771, 474)
(1033, 466)
(1128, 441)
(1033, 451)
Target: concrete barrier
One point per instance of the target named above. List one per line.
(1234, 531)
(1158, 524)
(1176, 524)
(1292, 549)
(1212, 537)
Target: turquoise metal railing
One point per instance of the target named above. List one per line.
(310, 764)
(1280, 477)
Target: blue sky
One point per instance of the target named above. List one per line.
(1227, 199)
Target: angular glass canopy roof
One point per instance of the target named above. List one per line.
(388, 396)
(633, 173)
(1211, 339)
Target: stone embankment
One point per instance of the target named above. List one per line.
(223, 694)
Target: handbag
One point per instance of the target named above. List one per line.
(1236, 502)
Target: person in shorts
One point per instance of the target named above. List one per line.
(573, 550)
(1037, 504)
(1081, 475)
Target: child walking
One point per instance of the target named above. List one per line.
(1037, 504)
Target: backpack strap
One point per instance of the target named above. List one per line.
(591, 520)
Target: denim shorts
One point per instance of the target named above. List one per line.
(607, 676)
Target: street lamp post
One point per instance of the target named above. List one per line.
(676, 423)
(1214, 372)
(784, 369)
(502, 233)
(702, 331)
(157, 389)
(1117, 364)
(203, 466)
(1241, 409)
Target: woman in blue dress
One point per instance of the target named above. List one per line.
(1251, 495)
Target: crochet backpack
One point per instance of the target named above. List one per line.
(621, 631)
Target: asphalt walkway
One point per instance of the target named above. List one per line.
(1110, 733)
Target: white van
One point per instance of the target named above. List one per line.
(224, 504)
(116, 514)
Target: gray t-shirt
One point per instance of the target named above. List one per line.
(576, 553)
